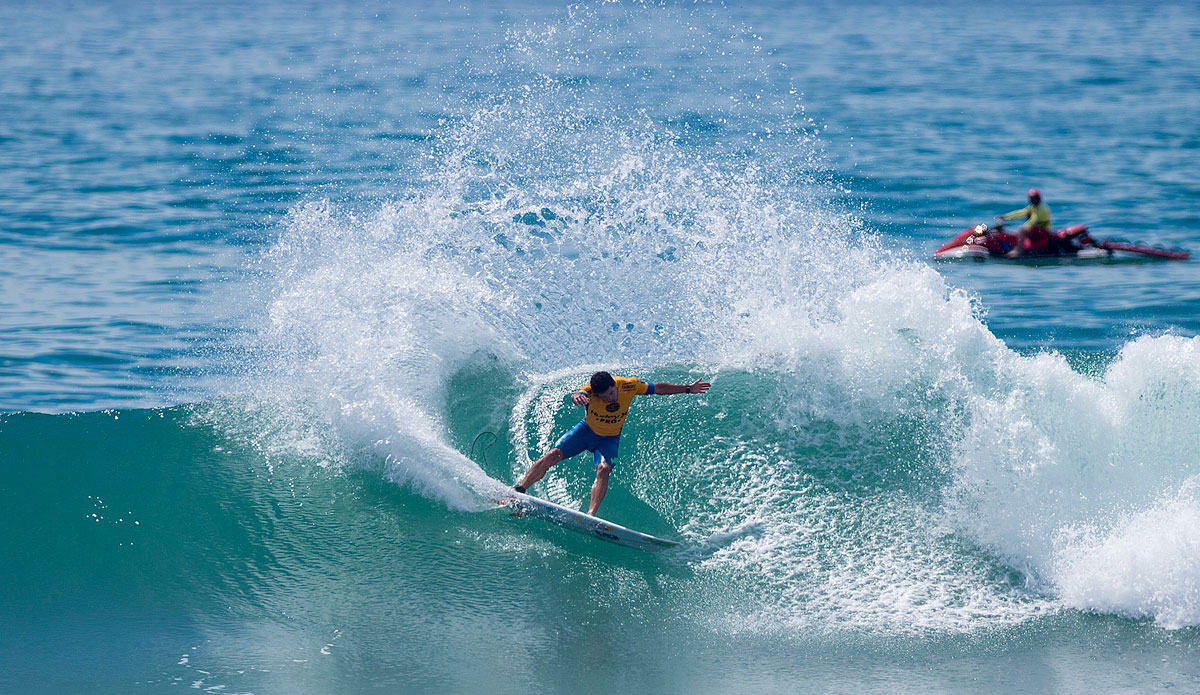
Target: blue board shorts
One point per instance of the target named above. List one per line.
(581, 437)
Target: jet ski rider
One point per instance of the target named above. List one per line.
(1034, 234)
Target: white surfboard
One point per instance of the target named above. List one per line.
(584, 523)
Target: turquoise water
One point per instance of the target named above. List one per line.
(269, 273)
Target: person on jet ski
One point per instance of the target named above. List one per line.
(1034, 234)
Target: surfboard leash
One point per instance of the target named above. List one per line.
(483, 451)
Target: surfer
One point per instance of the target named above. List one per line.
(607, 400)
(1035, 232)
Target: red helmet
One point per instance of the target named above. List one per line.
(1035, 196)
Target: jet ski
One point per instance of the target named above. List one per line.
(984, 243)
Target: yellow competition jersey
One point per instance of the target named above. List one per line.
(607, 419)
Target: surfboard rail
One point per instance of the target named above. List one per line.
(584, 523)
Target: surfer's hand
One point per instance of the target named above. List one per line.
(698, 386)
(580, 399)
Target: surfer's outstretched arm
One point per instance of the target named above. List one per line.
(665, 388)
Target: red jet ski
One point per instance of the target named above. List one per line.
(983, 243)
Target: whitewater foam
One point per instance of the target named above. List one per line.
(1083, 484)
(1088, 485)
(549, 231)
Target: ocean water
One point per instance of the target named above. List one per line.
(288, 292)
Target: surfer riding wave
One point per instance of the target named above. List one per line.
(607, 399)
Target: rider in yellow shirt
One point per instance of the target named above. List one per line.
(1035, 232)
(607, 400)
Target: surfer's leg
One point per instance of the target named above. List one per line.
(600, 487)
(539, 468)
(568, 445)
(605, 455)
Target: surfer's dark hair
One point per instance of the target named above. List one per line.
(602, 381)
